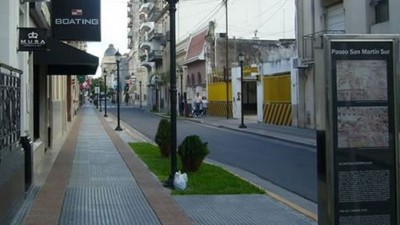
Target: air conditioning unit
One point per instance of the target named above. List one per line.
(298, 64)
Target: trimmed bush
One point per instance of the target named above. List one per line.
(192, 152)
(154, 108)
(163, 137)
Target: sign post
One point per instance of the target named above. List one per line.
(361, 143)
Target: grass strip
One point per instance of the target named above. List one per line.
(208, 180)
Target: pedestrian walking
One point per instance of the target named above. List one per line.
(197, 103)
(204, 103)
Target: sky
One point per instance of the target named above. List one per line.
(266, 19)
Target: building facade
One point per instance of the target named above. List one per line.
(315, 18)
(37, 104)
(150, 39)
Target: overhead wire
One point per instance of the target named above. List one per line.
(273, 14)
(269, 8)
(275, 33)
(206, 19)
(196, 2)
(246, 31)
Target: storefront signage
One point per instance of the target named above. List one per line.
(76, 20)
(363, 131)
(32, 39)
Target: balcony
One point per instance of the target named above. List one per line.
(310, 42)
(155, 55)
(145, 7)
(130, 24)
(146, 26)
(149, 65)
(130, 34)
(142, 16)
(129, 4)
(155, 34)
(146, 45)
(130, 45)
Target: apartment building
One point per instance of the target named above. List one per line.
(152, 44)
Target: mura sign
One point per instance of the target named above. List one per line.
(32, 39)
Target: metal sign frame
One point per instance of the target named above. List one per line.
(362, 129)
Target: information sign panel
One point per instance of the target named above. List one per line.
(363, 131)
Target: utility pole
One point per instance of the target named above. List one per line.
(226, 60)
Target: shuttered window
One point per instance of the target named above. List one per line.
(381, 11)
(335, 18)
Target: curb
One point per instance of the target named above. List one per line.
(241, 130)
(266, 135)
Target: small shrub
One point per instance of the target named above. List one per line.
(192, 152)
(163, 137)
(154, 108)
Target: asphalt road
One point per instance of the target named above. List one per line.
(288, 165)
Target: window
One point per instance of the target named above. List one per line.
(193, 80)
(188, 80)
(381, 10)
(199, 78)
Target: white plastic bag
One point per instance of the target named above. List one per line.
(180, 180)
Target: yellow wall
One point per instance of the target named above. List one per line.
(277, 100)
(217, 99)
(277, 89)
(217, 91)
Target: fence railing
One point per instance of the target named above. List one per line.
(10, 107)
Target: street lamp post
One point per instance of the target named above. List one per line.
(172, 10)
(140, 93)
(157, 98)
(100, 94)
(105, 92)
(241, 59)
(118, 57)
(181, 100)
(97, 92)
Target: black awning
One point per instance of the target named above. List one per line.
(63, 59)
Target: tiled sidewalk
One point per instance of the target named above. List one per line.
(92, 182)
(97, 179)
(101, 189)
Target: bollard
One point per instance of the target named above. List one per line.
(26, 143)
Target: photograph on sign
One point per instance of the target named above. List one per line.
(362, 127)
(361, 80)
